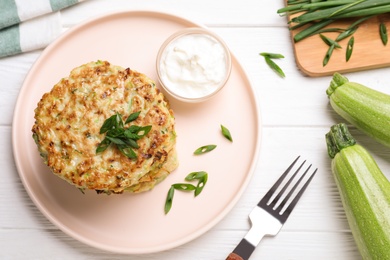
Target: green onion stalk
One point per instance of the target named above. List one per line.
(316, 15)
(320, 13)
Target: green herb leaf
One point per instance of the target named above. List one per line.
(346, 33)
(311, 30)
(348, 53)
(103, 145)
(144, 130)
(315, 15)
(169, 199)
(132, 143)
(118, 121)
(132, 117)
(116, 132)
(328, 55)
(115, 140)
(205, 149)
(274, 66)
(195, 176)
(201, 176)
(108, 124)
(329, 41)
(272, 55)
(184, 186)
(202, 182)
(127, 151)
(133, 129)
(129, 134)
(383, 33)
(124, 139)
(226, 133)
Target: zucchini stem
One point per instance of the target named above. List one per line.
(338, 138)
(337, 81)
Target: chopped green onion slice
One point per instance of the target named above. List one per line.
(348, 53)
(127, 151)
(169, 199)
(328, 55)
(205, 149)
(274, 66)
(125, 139)
(183, 186)
(202, 182)
(201, 176)
(272, 55)
(346, 33)
(195, 176)
(226, 133)
(383, 33)
(329, 41)
(103, 145)
(132, 117)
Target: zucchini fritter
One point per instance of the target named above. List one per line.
(68, 120)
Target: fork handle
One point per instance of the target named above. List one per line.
(242, 251)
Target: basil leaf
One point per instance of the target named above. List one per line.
(205, 149)
(132, 117)
(226, 133)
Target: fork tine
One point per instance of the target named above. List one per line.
(280, 207)
(271, 191)
(290, 207)
(281, 192)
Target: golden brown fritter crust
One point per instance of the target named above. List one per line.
(68, 120)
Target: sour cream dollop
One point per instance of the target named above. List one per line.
(194, 65)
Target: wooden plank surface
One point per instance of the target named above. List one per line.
(368, 52)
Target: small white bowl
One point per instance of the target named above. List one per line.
(193, 65)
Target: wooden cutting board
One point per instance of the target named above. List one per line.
(368, 51)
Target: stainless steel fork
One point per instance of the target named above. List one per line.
(268, 217)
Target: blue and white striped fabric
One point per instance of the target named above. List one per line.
(27, 25)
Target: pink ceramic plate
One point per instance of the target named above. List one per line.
(131, 223)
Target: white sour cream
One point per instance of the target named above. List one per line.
(194, 65)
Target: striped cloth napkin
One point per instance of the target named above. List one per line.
(27, 25)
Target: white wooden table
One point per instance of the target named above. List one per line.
(295, 117)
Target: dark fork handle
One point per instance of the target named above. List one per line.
(242, 251)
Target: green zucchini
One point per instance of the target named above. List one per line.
(364, 191)
(365, 108)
